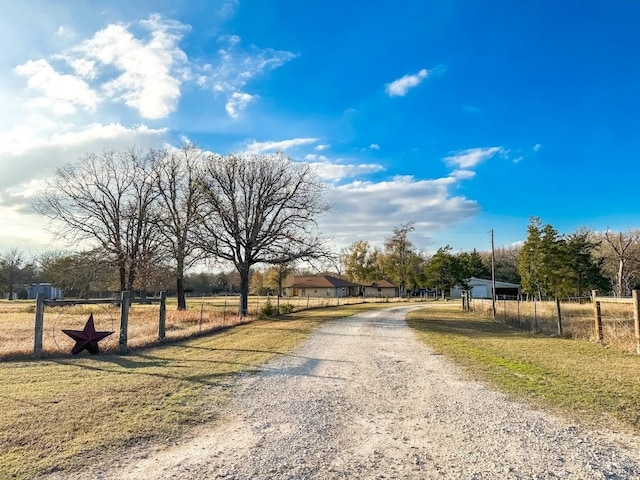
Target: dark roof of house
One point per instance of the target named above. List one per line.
(382, 284)
(320, 281)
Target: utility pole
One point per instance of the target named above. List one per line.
(493, 277)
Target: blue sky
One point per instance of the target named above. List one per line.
(459, 116)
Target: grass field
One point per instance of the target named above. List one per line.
(577, 319)
(204, 315)
(576, 378)
(60, 411)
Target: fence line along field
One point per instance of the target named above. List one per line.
(576, 317)
(204, 315)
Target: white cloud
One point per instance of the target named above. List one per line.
(238, 102)
(31, 154)
(60, 93)
(330, 171)
(370, 210)
(228, 8)
(537, 147)
(374, 146)
(322, 147)
(400, 87)
(149, 69)
(65, 31)
(463, 174)
(473, 156)
(236, 67)
(283, 145)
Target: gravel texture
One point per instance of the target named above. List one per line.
(364, 399)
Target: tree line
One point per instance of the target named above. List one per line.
(150, 214)
(141, 220)
(548, 264)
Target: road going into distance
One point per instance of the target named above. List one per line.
(364, 399)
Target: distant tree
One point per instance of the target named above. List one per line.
(106, 200)
(221, 282)
(557, 265)
(276, 275)
(532, 261)
(506, 264)
(359, 262)
(258, 283)
(79, 274)
(415, 270)
(472, 265)
(13, 270)
(582, 271)
(399, 253)
(443, 271)
(176, 173)
(260, 209)
(621, 255)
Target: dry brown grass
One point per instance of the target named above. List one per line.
(578, 320)
(204, 315)
(17, 326)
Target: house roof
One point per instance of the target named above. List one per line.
(320, 281)
(382, 284)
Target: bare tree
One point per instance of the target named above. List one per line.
(105, 200)
(12, 264)
(260, 209)
(624, 251)
(175, 174)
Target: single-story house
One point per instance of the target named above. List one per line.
(482, 288)
(381, 288)
(321, 286)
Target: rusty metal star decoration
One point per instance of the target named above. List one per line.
(86, 339)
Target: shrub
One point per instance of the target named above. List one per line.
(286, 308)
(268, 310)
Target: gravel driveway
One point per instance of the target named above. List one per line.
(364, 399)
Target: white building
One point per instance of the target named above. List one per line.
(482, 288)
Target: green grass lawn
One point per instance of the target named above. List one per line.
(580, 380)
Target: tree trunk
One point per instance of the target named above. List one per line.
(243, 270)
(620, 289)
(122, 271)
(182, 302)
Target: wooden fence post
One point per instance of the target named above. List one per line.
(598, 316)
(534, 324)
(39, 326)
(559, 316)
(636, 317)
(162, 317)
(124, 322)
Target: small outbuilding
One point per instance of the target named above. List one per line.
(380, 289)
(50, 292)
(482, 288)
